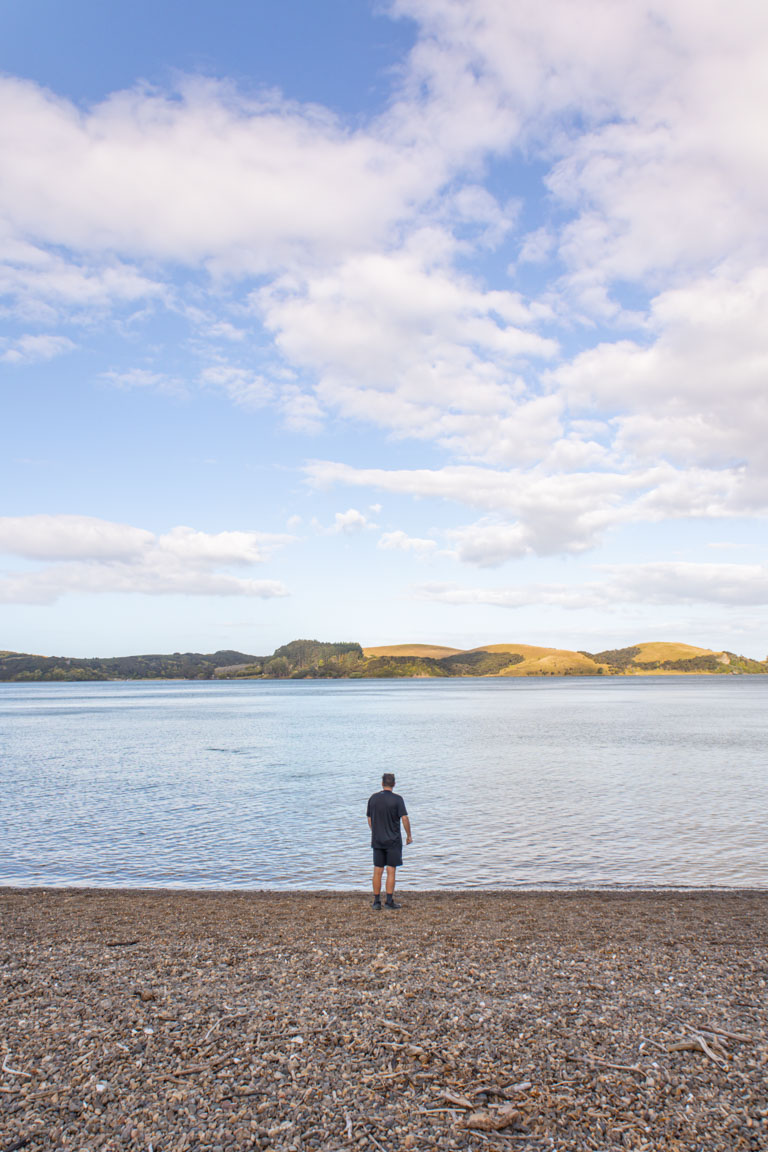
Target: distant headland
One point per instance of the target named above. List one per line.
(318, 660)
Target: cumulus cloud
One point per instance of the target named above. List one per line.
(586, 410)
(205, 175)
(652, 110)
(71, 538)
(402, 340)
(695, 393)
(351, 522)
(532, 512)
(95, 555)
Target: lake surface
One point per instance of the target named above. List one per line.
(648, 782)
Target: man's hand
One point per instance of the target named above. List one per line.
(409, 839)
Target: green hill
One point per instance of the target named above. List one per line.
(315, 659)
(178, 666)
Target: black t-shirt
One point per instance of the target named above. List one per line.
(385, 809)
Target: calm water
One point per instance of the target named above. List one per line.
(509, 783)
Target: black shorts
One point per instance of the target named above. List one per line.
(391, 857)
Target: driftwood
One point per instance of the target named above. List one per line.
(606, 1064)
(497, 1090)
(393, 1026)
(486, 1121)
(457, 1100)
(695, 1044)
(15, 1071)
(459, 1022)
(709, 1030)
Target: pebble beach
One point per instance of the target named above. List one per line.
(217, 1021)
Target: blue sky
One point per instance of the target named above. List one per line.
(426, 320)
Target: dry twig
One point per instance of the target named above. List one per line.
(695, 1044)
(15, 1071)
(606, 1064)
(213, 1027)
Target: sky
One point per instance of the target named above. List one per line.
(436, 321)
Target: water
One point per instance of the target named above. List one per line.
(509, 783)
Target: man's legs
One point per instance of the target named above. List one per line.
(390, 902)
(378, 871)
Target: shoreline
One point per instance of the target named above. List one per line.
(608, 676)
(403, 887)
(212, 1020)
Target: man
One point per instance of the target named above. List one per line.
(385, 811)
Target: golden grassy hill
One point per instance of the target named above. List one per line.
(554, 662)
(542, 661)
(431, 651)
(662, 650)
(529, 651)
(535, 660)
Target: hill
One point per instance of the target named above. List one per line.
(315, 659)
(435, 651)
(663, 657)
(20, 666)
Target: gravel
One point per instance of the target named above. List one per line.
(223, 1021)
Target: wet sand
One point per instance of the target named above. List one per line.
(569, 1021)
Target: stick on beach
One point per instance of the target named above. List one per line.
(181, 1020)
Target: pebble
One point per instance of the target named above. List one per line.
(220, 1022)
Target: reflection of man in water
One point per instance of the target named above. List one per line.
(385, 811)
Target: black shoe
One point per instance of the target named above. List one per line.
(377, 905)
(391, 904)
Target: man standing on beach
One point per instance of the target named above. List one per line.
(385, 811)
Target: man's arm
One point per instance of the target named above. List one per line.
(370, 823)
(407, 826)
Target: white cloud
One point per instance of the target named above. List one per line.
(738, 585)
(696, 394)
(31, 349)
(145, 378)
(523, 596)
(534, 512)
(101, 556)
(403, 341)
(351, 522)
(300, 410)
(205, 175)
(661, 583)
(48, 586)
(537, 246)
(223, 330)
(71, 538)
(204, 548)
(653, 112)
(399, 541)
(647, 117)
(248, 389)
(49, 287)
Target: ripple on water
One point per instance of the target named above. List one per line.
(509, 783)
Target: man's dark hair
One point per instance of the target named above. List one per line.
(388, 780)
